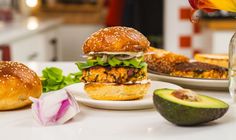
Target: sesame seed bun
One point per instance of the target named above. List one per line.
(17, 83)
(116, 39)
(116, 92)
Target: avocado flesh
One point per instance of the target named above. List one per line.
(187, 113)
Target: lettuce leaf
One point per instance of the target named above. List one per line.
(112, 61)
(53, 79)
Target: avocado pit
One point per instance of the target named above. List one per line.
(186, 95)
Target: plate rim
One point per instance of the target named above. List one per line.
(133, 104)
(193, 83)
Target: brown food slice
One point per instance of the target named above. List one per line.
(215, 59)
(163, 61)
(200, 70)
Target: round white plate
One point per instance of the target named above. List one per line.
(145, 103)
(212, 84)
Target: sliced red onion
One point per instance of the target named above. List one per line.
(124, 57)
(64, 107)
(54, 108)
(104, 58)
(84, 56)
(137, 54)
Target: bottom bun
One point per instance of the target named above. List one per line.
(101, 91)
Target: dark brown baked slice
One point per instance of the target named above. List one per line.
(199, 70)
(215, 59)
(163, 61)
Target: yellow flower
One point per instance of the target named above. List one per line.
(227, 5)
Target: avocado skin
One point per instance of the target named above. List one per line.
(185, 115)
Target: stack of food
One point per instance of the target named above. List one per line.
(164, 62)
(115, 67)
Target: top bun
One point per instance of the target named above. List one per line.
(116, 39)
(17, 84)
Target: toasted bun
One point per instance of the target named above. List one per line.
(17, 83)
(214, 59)
(104, 91)
(116, 39)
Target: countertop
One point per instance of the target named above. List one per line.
(98, 124)
(22, 27)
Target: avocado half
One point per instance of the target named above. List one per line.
(181, 107)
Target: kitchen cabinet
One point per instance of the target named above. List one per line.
(30, 39)
(39, 47)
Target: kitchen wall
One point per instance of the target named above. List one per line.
(71, 39)
(210, 35)
(179, 33)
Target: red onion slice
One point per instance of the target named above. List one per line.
(64, 107)
(55, 107)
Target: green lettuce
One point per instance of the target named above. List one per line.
(53, 79)
(112, 61)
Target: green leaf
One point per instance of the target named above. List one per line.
(100, 61)
(52, 82)
(126, 63)
(111, 61)
(76, 76)
(45, 73)
(143, 65)
(55, 87)
(54, 74)
(68, 80)
(135, 62)
(82, 66)
(53, 79)
(114, 61)
(91, 62)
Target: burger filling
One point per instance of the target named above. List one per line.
(113, 68)
(113, 61)
(108, 74)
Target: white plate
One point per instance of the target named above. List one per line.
(145, 103)
(212, 84)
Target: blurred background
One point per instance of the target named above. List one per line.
(55, 30)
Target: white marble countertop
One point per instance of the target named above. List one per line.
(23, 27)
(109, 124)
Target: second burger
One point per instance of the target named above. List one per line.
(115, 67)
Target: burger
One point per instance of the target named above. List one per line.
(115, 67)
(17, 84)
